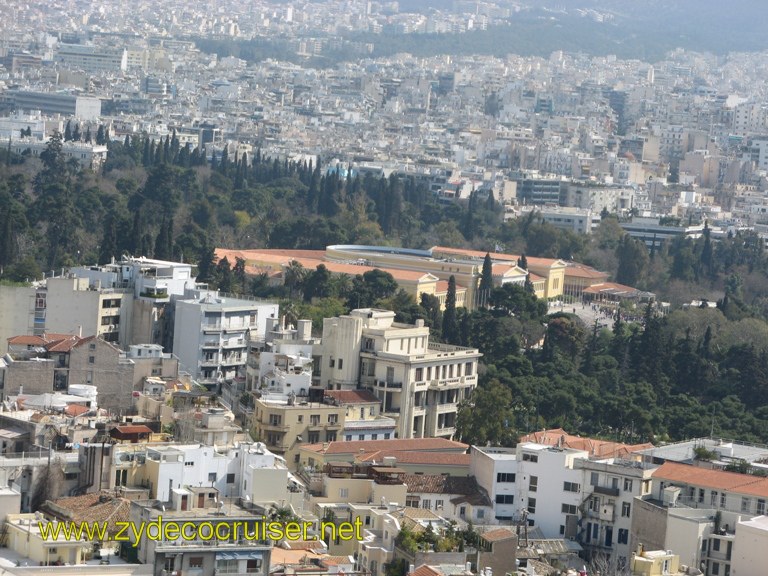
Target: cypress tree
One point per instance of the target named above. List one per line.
(451, 333)
(486, 280)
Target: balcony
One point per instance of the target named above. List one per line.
(391, 385)
(211, 328)
(233, 361)
(605, 490)
(211, 344)
(210, 363)
(445, 382)
(180, 544)
(234, 344)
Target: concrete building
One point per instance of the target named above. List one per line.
(211, 334)
(17, 308)
(751, 544)
(418, 383)
(496, 472)
(96, 59)
(67, 105)
(74, 305)
(87, 155)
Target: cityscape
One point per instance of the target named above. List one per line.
(383, 288)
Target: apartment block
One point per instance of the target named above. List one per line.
(418, 383)
(211, 334)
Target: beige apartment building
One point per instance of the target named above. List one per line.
(419, 383)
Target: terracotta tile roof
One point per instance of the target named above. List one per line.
(464, 488)
(336, 561)
(582, 271)
(712, 479)
(612, 286)
(352, 396)
(95, 507)
(425, 570)
(258, 260)
(133, 429)
(64, 345)
(497, 535)
(596, 448)
(28, 340)
(442, 286)
(395, 445)
(423, 458)
(75, 410)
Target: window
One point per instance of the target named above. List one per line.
(533, 484)
(594, 479)
(419, 374)
(343, 492)
(314, 420)
(571, 487)
(713, 498)
(615, 483)
(468, 369)
(760, 507)
(196, 562)
(386, 435)
(505, 477)
(412, 501)
(361, 436)
(253, 565)
(91, 359)
(745, 504)
(722, 500)
(275, 419)
(627, 485)
(313, 437)
(568, 509)
(715, 568)
(348, 437)
(230, 478)
(189, 463)
(505, 499)
(626, 508)
(341, 363)
(562, 530)
(532, 505)
(92, 346)
(331, 363)
(623, 536)
(211, 476)
(374, 436)
(716, 544)
(438, 504)
(330, 436)
(481, 514)
(701, 495)
(300, 419)
(333, 418)
(462, 511)
(426, 504)
(530, 457)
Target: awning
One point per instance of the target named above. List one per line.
(239, 555)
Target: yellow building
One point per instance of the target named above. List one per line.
(25, 539)
(655, 563)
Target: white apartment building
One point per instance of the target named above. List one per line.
(211, 334)
(92, 58)
(604, 518)
(419, 383)
(495, 470)
(750, 548)
(549, 490)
